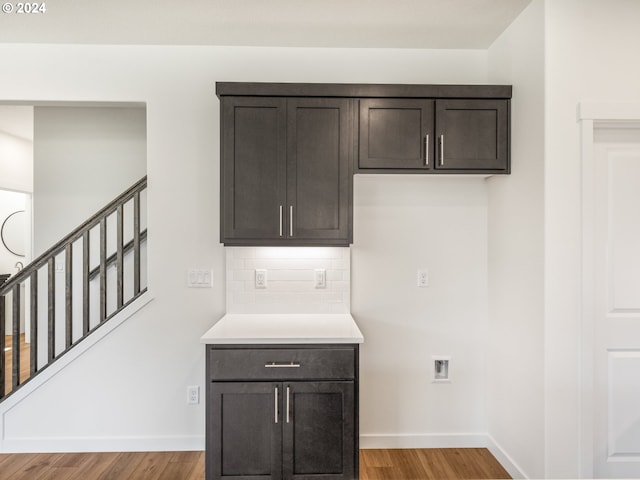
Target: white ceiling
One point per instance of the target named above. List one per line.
(466, 24)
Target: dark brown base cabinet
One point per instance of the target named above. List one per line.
(282, 412)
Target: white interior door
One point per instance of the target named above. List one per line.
(617, 290)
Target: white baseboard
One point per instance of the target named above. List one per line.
(456, 440)
(103, 444)
(462, 440)
(504, 458)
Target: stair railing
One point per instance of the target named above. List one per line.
(121, 234)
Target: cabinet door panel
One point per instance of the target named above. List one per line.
(393, 134)
(472, 134)
(243, 437)
(318, 169)
(253, 167)
(319, 435)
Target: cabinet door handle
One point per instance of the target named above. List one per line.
(275, 406)
(281, 220)
(287, 404)
(291, 220)
(282, 365)
(441, 150)
(426, 150)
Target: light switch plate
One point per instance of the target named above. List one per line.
(199, 278)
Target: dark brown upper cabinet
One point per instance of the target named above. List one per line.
(472, 135)
(434, 136)
(286, 171)
(396, 133)
(289, 150)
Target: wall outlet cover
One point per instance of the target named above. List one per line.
(320, 278)
(423, 277)
(261, 278)
(199, 278)
(193, 395)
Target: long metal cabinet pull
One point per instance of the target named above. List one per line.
(275, 406)
(280, 220)
(287, 404)
(291, 220)
(442, 150)
(426, 150)
(282, 365)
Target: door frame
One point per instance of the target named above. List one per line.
(590, 117)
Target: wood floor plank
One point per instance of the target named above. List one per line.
(36, 467)
(72, 460)
(122, 467)
(198, 471)
(378, 464)
(152, 465)
(376, 458)
(10, 464)
(59, 473)
(435, 464)
(95, 466)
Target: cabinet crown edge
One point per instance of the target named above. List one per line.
(362, 90)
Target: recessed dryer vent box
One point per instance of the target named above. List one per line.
(441, 369)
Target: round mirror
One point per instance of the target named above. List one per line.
(13, 233)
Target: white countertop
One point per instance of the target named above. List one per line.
(284, 328)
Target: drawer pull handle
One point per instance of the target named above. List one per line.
(287, 404)
(426, 150)
(275, 406)
(291, 220)
(282, 365)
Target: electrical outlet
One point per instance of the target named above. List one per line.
(261, 278)
(423, 277)
(320, 278)
(193, 395)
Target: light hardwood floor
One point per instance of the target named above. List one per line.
(406, 464)
(8, 358)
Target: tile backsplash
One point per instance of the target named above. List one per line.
(290, 280)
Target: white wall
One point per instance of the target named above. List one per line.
(16, 153)
(128, 392)
(591, 56)
(84, 157)
(11, 202)
(404, 223)
(515, 369)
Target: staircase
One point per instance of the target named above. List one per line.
(72, 289)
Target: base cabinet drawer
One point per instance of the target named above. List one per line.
(281, 363)
(289, 429)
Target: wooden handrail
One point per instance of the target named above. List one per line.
(65, 330)
(75, 234)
